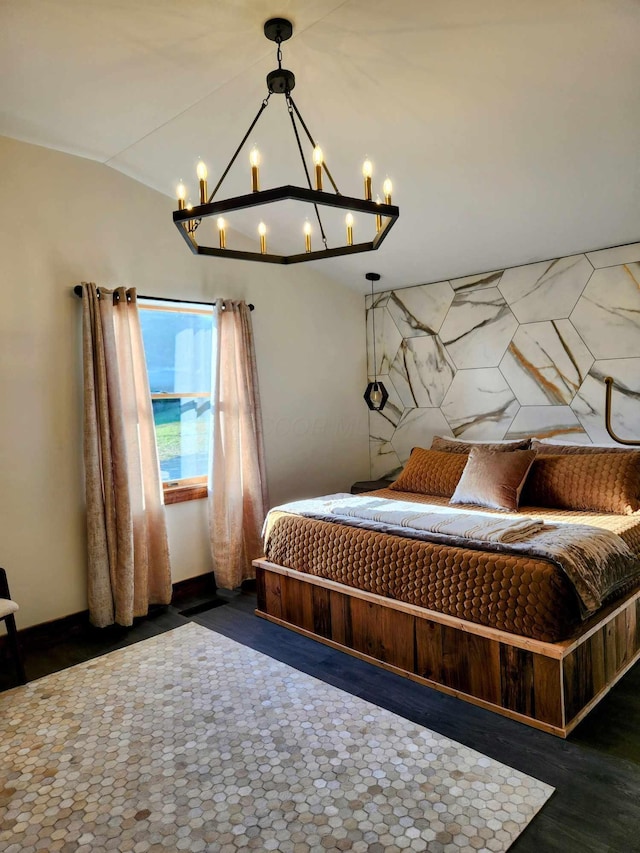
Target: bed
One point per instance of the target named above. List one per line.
(529, 607)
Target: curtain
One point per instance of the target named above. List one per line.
(128, 553)
(237, 482)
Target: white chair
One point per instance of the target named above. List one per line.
(7, 609)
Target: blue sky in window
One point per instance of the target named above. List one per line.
(178, 349)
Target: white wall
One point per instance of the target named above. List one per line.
(63, 220)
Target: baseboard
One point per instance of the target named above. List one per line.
(201, 585)
(68, 627)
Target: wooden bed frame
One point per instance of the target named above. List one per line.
(551, 686)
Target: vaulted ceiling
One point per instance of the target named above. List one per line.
(510, 129)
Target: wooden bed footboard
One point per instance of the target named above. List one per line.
(550, 686)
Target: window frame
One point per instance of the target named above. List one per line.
(187, 488)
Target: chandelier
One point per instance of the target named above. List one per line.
(381, 214)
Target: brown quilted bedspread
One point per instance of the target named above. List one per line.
(524, 595)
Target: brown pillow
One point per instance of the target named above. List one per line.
(494, 479)
(453, 445)
(575, 449)
(601, 482)
(430, 472)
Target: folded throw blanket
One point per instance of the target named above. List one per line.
(472, 526)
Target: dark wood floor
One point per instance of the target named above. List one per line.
(596, 807)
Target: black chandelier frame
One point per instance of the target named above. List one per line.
(282, 81)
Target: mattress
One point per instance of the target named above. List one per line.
(524, 595)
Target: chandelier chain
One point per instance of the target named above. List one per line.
(304, 164)
(314, 143)
(239, 148)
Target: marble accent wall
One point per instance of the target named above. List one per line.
(511, 353)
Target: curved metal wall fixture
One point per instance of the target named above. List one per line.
(608, 381)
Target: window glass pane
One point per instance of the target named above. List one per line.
(178, 350)
(183, 428)
(178, 341)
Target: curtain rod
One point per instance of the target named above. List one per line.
(78, 292)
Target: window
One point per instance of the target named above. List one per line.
(179, 343)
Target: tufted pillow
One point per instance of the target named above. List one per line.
(601, 482)
(456, 445)
(430, 472)
(551, 449)
(493, 478)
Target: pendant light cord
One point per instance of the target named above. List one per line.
(373, 324)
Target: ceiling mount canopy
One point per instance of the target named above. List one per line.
(280, 81)
(376, 223)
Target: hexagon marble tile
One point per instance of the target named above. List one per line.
(477, 282)
(558, 422)
(478, 328)
(190, 741)
(607, 315)
(625, 401)
(384, 459)
(420, 310)
(480, 404)
(416, 429)
(380, 300)
(388, 339)
(546, 363)
(545, 291)
(615, 257)
(422, 371)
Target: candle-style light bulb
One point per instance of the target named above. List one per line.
(318, 160)
(387, 189)
(262, 231)
(254, 160)
(367, 172)
(378, 217)
(191, 223)
(201, 171)
(307, 236)
(181, 192)
(348, 221)
(222, 225)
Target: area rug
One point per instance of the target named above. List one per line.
(191, 741)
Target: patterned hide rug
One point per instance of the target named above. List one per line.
(191, 741)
